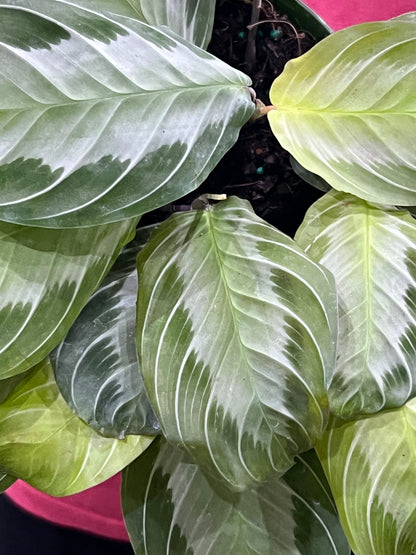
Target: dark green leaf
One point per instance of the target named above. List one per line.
(96, 366)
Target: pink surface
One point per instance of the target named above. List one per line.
(339, 14)
(98, 510)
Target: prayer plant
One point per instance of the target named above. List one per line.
(257, 390)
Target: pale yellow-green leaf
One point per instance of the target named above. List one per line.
(45, 444)
(346, 110)
(371, 468)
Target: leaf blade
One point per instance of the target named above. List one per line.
(355, 129)
(371, 254)
(191, 19)
(223, 340)
(47, 276)
(37, 431)
(370, 466)
(96, 366)
(81, 110)
(159, 488)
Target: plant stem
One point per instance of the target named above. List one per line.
(297, 35)
(251, 39)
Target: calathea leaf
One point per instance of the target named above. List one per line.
(346, 110)
(170, 506)
(371, 253)
(311, 178)
(191, 19)
(45, 444)
(96, 365)
(104, 117)
(127, 8)
(46, 277)
(236, 334)
(371, 468)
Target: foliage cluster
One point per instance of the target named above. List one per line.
(258, 390)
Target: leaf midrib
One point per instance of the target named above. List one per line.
(119, 96)
(217, 252)
(330, 112)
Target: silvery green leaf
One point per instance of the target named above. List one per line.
(45, 444)
(236, 337)
(191, 19)
(371, 252)
(46, 277)
(96, 365)
(103, 117)
(346, 110)
(170, 506)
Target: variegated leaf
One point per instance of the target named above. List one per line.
(96, 366)
(170, 506)
(103, 117)
(236, 334)
(346, 110)
(191, 19)
(46, 277)
(126, 8)
(45, 444)
(371, 468)
(371, 253)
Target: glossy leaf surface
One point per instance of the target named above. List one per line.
(346, 110)
(103, 117)
(371, 468)
(96, 366)
(191, 19)
(171, 507)
(46, 277)
(236, 333)
(45, 444)
(372, 255)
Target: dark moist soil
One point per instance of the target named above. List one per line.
(256, 168)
